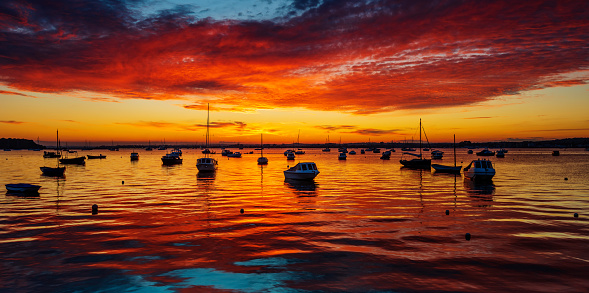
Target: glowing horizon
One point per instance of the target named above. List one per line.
(359, 71)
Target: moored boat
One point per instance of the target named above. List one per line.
(22, 188)
(419, 162)
(53, 171)
(206, 164)
(290, 156)
(446, 169)
(302, 171)
(101, 156)
(342, 156)
(234, 155)
(172, 159)
(47, 154)
(352, 152)
(386, 155)
(500, 154)
(479, 170)
(486, 152)
(76, 160)
(556, 153)
(134, 156)
(437, 154)
(262, 160)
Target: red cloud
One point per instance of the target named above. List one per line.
(355, 57)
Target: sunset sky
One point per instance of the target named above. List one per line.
(137, 71)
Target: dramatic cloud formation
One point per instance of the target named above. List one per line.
(357, 130)
(236, 125)
(361, 57)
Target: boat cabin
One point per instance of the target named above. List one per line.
(304, 167)
(204, 161)
(480, 164)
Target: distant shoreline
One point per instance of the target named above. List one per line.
(14, 143)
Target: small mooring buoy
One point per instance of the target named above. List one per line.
(241, 211)
(467, 236)
(576, 215)
(565, 178)
(94, 209)
(447, 212)
(123, 182)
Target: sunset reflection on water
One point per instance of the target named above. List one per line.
(361, 225)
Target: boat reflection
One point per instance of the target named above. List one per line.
(202, 176)
(24, 194)
(480, 192)
(479, 188)
(303, 188)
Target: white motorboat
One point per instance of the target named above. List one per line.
(479, 170)
(206, 164)
(302, 171)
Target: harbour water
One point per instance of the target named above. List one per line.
(363, 225)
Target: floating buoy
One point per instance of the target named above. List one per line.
(467, 236)
(94, 209)
(241, 211)
(447, 212)
(566, 178)
(123, 182)
(576, 215)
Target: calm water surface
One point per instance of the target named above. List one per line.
(363, 225)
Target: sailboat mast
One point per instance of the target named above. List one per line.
(454, 150)
(207, 136)
(262, 144)
(420, 137)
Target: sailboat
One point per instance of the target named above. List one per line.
(326, 149)
(206, 164)
(262, 160)
(419, 162)
(54, 171)
(448, 169)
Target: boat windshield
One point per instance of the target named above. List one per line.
(304, 166)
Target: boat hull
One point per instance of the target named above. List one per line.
(417, 163)
(50, 171)
(167, 161)
(293, 175)
(96, 157)
(479, 176)
(446, 169)
(78, 160)
(262, 161)
(22, 188)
